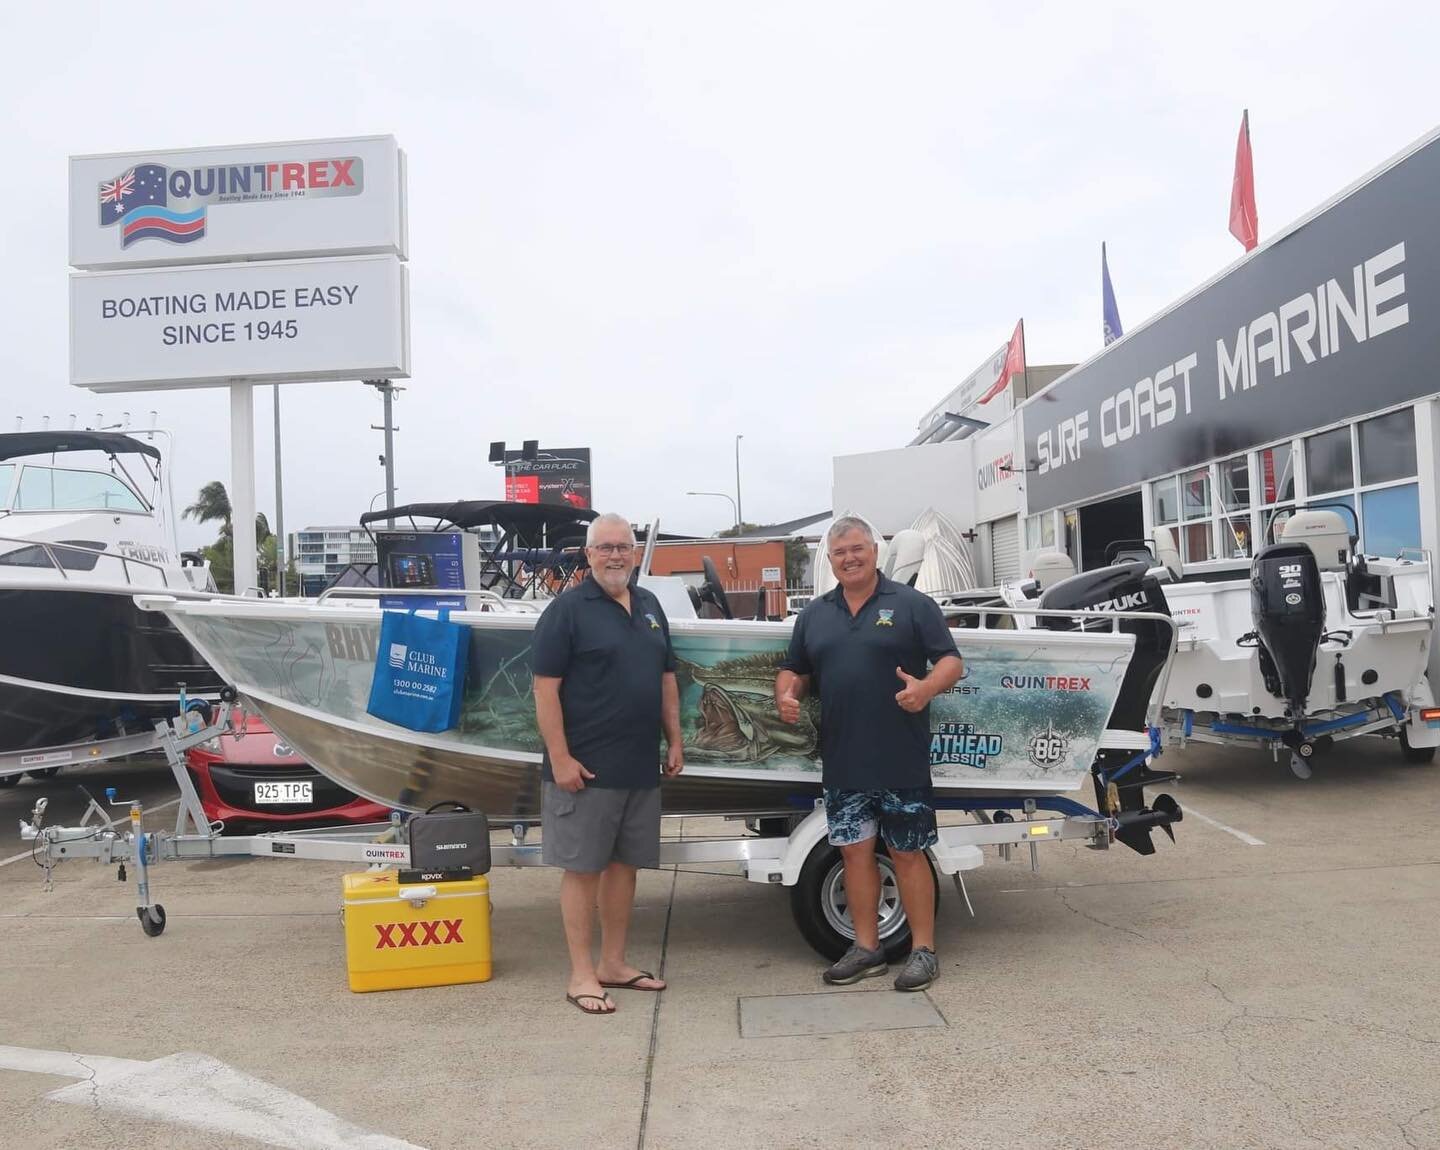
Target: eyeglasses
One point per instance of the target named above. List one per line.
(612, 548)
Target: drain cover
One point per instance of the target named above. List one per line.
(835, 1012)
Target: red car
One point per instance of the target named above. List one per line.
(259, 779)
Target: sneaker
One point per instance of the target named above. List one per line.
(921, 969)
(855, 964)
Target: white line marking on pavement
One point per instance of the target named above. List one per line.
(111, 823)
(198, 1091)
(1247, 839)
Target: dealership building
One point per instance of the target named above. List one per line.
(1307, 373)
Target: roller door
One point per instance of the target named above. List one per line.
(1004, 550)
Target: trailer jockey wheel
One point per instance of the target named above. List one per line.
(152, 920)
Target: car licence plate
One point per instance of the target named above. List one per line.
(284, 792)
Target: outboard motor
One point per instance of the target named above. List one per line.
(1287, 607)
(1125, 586)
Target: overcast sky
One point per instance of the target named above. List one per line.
(648, 228)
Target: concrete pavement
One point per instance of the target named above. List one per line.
(1218, 994)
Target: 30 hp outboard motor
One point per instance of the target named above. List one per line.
(1287, 607)
(1125, 586)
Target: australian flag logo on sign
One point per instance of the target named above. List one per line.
(137, 201)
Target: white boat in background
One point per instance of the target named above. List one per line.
(1305, 645)
(86, 522)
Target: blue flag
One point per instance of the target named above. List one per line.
(1110, 318)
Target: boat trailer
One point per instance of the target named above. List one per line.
(789, 849)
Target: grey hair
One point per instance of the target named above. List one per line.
(610, 518)
(846, 524)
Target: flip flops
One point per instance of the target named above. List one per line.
(578, 1002)
(634, 983)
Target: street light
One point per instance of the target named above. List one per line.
(739, 522)
(735, 507)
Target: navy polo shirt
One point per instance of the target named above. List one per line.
(610, 664)
(867, 741)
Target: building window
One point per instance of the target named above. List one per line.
(1387, 447)
(1329, 464)
(1235, 507)
(1040, 532)
(1195, 516)
(1166, 502)
(1387, 496)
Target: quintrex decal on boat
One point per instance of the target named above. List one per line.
(731, 730)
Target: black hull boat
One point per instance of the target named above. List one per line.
(86, 665)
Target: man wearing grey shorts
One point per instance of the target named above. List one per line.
(605, 689)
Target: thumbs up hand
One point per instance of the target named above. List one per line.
(912, 696)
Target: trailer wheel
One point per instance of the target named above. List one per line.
(44, 773)
(1415, 754)
(822, 913)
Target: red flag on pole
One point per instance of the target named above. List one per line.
(1244, 225)
(1014, 363)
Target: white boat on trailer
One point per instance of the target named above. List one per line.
(86, 522)
(1304, 646)
(1040, 714)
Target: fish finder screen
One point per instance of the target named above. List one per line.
(412, 571)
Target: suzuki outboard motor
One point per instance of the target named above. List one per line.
(1287, 607)
(1124, 586)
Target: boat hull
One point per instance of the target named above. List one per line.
(78, 665)
(1026, 720)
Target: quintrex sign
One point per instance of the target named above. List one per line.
(1334, 319)
(254, 201)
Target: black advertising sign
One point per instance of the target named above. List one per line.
(560, 475)
(1335, 319)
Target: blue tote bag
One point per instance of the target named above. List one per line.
(420, 671)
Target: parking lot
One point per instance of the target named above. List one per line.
(1268, 981)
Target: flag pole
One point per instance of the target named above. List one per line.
(1024, 357)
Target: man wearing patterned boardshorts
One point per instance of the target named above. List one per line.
(855, 646)
(604, 690)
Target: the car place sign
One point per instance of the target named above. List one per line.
(261, 201)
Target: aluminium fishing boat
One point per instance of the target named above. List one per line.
(1038, 713)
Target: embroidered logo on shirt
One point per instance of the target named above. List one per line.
(654, 623)
(886, 618)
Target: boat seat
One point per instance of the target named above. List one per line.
(1325, 533)
(1049, 567)
(1167, 555)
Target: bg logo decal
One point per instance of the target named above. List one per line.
(430, 935)
(1049, 748)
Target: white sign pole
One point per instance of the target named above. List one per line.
(242, 484)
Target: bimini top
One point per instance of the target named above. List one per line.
(15, 444)
(466, 513)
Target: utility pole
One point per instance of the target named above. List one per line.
(279, 505)
(739, 518)
(388, 390)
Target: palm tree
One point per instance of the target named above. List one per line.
(211, 504)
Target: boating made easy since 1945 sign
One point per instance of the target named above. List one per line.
(213, 324)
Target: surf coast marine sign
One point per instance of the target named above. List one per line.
(1332, 319)
(260, 201)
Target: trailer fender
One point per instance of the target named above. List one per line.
(1419, 731)
(785, 870)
